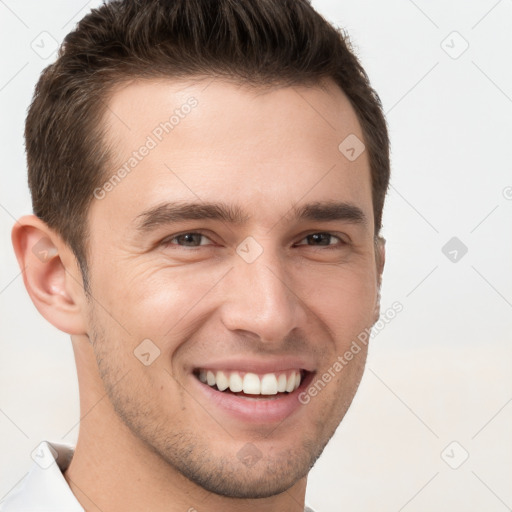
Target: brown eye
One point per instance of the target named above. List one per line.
(191, 239)
(322, 239)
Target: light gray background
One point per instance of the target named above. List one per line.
(441, 370)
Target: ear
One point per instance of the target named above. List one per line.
(51, 274)
(380, 260)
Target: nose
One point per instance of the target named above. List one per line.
(261, 299)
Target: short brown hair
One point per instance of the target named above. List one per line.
(259, 42)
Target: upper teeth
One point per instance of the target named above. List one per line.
(251, 383)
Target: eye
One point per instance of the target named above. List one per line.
(191, 239)
(323, 239)
(195, 239)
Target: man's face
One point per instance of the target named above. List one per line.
(255, 303)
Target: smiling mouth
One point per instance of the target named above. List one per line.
(252, 385)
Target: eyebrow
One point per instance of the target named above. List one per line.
(168, 213)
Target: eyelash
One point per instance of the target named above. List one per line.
(167, 241)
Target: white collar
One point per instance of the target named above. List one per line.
(44, 488)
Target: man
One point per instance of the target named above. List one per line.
(208, 179)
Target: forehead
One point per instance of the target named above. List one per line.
(208, 140)
(236, 111)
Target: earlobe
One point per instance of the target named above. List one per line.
(380, 255)
(51, 278)
(380, 259)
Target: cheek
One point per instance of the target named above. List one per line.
(344, 300)
(163, 303)
(139, 295)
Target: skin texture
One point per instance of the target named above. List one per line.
(149, 439)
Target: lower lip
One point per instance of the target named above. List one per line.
(258, 410)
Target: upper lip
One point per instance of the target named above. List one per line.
(258, 366)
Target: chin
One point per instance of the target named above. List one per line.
(229, 477)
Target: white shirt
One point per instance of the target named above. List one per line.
(44, 488)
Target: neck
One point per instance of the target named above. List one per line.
(113, 470)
